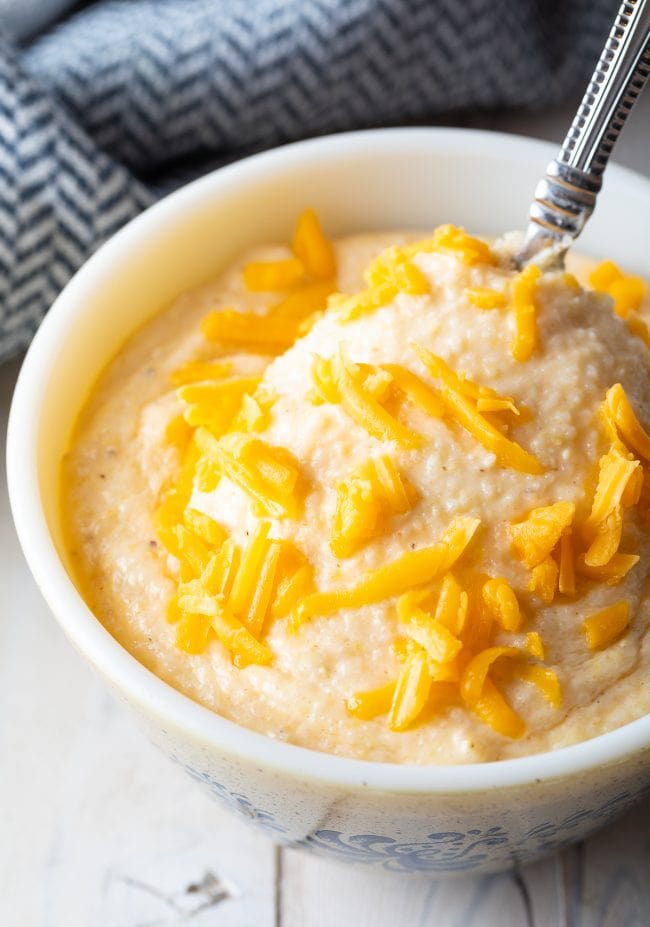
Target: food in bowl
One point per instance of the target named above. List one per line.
(383, 498)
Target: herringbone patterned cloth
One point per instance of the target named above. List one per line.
(127, 97)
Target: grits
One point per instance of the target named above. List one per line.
(120, 462)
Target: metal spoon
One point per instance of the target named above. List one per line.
(566, 196)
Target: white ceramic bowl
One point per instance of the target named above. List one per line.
(435, 819)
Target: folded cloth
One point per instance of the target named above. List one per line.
(23, 19)
(126, 98)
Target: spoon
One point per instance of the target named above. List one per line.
(565, 198)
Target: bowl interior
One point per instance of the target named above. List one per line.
(361, 181)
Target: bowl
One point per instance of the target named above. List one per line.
(436, 819)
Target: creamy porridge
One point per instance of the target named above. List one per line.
(409, 527)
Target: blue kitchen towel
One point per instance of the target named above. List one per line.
(123, 99)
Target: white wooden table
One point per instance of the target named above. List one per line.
(97, 829)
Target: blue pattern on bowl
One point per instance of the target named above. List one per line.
(443, 851)
(462, 852)
(439, 852)
(235, 801)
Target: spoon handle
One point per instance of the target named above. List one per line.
(566, 196)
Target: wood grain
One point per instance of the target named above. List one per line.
(321, 894)
(614, 888)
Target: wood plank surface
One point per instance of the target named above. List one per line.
(323, 894)
(614, 884)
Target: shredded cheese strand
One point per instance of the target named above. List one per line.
(313, 250)
(413, 568)
(270, 276)
(622, 414)
(525, 338)
(462, 408)
(411, 692)
(475, 674)
(502, 603)
(336, 383)
(535, 536)
(269, 475)
(603, 627)
(544, 678)
(367, 705)
(266, 334)
(493, 710)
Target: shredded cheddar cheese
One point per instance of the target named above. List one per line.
(235, 594)
(200, 371)
(269, 334)
(178, 433)
(607, 539)
(433, 637)
(534, 645)
(415, 390)
(485, 298)
(299, 305)
(255, 411)
(204, 527)
(544, 678)
(272, 276)
(394, 272)
(524, 341)
(312, 248)
(179, 538)
(411, 692)
(639, 328)
(566, 575)
(337, 381)
(365, 501)
(457, 243)
(475, 673)
(413, 568)
(215, 403)
(620, 483)
(349, 308)
(459, 383)
(617, 471)
(493, 709)
(460, 398)
(270, 476)
(613, 572)
(603, 275)
(369, 704)
(621, 414)
(296, 583)
(452, 606)
(192, 632)
(463, 637)
(502, 603)
(479, 626)
(605, 626)
(507, 453)
(201, 608)
(534, 538)
(245, 580)
(544, 580)
(626, 290)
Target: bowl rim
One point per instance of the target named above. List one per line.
(113, 661)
